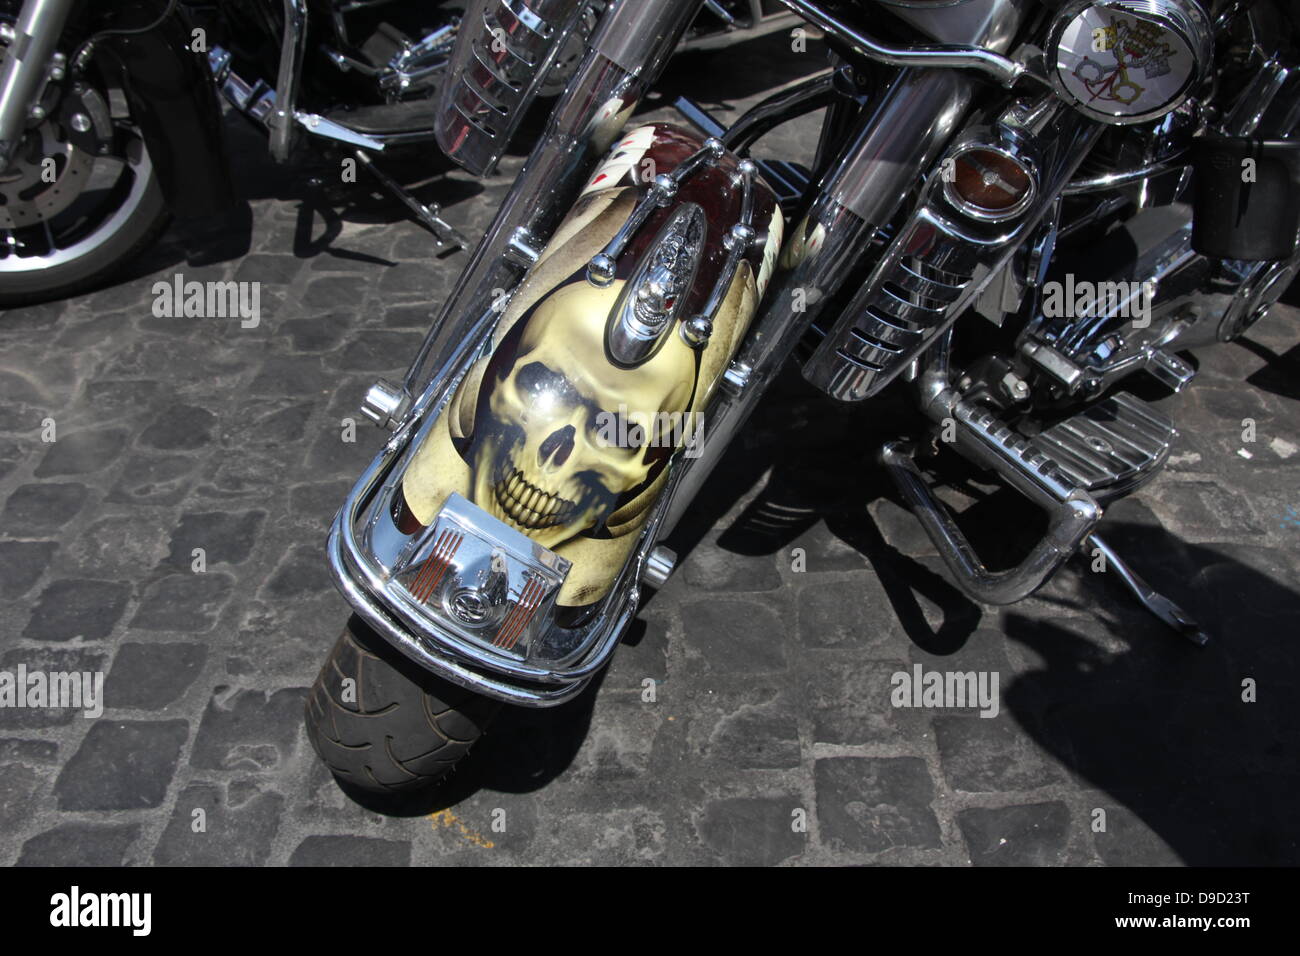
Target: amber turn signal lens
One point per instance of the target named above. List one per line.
(988, 183)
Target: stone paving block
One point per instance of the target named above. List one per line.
(77, 609)
(989, 755)
(19, 786)
(42, 508)
(21, 565)
(749, 731)
(117, 546)
(317, 334)
(11, 453)
(1128, 839)
(642, 656)
(49, 661)
(212, 825)
(752, 831)
(180, 428)
(292, 375)
(226, 537)
(734, 636)
(20, 750)
(823, 551)
(319, 500)
(845, 614)
(80, 844)
(82, 452)
(378, 351)
(1031, 835)
(849, 700)
(249, 730)
(152, 676)
(248, 477)
(301, 572)
(350, 850)
(872, 804)
(122, 765)
(184, 602)
(712, 568)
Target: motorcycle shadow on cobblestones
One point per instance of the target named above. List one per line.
(1161, 729)
(1167, 730)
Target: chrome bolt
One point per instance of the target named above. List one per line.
(37, 112)
(696, 331)
(736, 377)
(739, 237)
(665, 188)
(600, 270)
(80, 122)
(1016, 387)
(659, 565)
(385, 404)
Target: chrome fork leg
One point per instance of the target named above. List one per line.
(36, 35)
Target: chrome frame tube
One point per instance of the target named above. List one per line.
(36, 35)
(1004, 70)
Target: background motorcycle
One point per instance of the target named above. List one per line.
(110, 120)
(976, 159)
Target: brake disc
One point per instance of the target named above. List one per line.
(33, 189)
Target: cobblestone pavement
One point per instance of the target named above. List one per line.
(771, 738)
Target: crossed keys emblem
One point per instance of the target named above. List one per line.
(1135, 47)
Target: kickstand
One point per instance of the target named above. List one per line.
(429, 216)
(1151, 599)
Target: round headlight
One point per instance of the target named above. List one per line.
(1128, 61)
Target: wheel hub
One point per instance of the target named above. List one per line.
(52, 164)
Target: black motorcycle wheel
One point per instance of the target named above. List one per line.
(80, 197)
(395, 727)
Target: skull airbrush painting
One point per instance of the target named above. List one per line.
(607, 354)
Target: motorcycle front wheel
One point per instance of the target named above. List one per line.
(382, 724)
(80, 196)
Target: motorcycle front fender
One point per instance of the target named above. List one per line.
(504, 530)
(173, 99)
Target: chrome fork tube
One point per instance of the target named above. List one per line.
(905, 134)
(36, 35)
(629, 49)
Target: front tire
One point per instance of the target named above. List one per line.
(382, 724)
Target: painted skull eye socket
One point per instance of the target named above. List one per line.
(543, 388)
(619, 431)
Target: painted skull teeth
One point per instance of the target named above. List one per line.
(530, 507)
